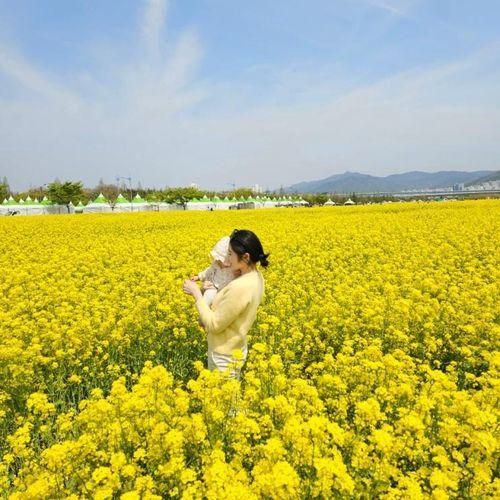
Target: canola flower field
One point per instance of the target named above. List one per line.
(372, 372)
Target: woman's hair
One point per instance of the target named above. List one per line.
(244, 241)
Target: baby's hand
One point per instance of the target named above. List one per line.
(194, 278)
(208, 285)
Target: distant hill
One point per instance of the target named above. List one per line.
(349, 182)
(495, 176)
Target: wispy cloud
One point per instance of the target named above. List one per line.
(15, 67)
(397, 7)
(119, 123)
(156, 119)
(153, 22)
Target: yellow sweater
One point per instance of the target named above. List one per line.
(233, 312)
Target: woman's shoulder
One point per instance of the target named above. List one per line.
(247, 279)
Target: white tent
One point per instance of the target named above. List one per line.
(296, 202)
(282, 202)
(209, 204)
(329, 203)
(270, 202)
(139, 204)
(32, 207)
(204, 204)
(224, 204)
(193, 204)
(349, 202)
(45, 207)
(98, 206)
(259, 202)
(163, 206)
(3, 207)
(12, 207)
(122, 204)
(79, 208)
(217, 203)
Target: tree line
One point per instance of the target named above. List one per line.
(66, 192)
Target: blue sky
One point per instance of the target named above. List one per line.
(214, 92)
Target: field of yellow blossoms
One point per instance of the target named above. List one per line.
(373, 368)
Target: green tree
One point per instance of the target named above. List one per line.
(64, 193)
(181, 195)
(315, 198)
(245, 192)
(4, 189)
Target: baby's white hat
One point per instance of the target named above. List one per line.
(219, 251)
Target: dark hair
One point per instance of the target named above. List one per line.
(244, 241)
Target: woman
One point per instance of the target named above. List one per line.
(234, 308)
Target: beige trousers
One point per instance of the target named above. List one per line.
(227, 363)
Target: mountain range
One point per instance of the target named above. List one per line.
(349, 182)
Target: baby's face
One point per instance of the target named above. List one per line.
(223, 264)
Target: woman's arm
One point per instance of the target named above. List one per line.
(231, 304)
(191, 288)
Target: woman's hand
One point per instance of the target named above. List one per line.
(191, 288)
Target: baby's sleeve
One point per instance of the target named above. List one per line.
(206, 274)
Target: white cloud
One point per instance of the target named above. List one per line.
(48, 128)
(398, 7)
(153, 22)
(155, 120)
(13, 66)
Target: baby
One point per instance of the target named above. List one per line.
(219, 274)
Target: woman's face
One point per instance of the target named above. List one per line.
(235, 263)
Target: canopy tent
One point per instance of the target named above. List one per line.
(79, 208)
(222, 204)
(163, 206)
(329, 203)
(281, 202)
(32, 207)
(204, 204)
(218, 203)
(99, 206)
(11, 206)
(349, 202)
(258, 202)
(122, 204)
(23, 206)
(270, 202)
(139, 204)
(3, 207)
(53, 209)
(101, 199)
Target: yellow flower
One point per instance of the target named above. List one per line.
(372, 371)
